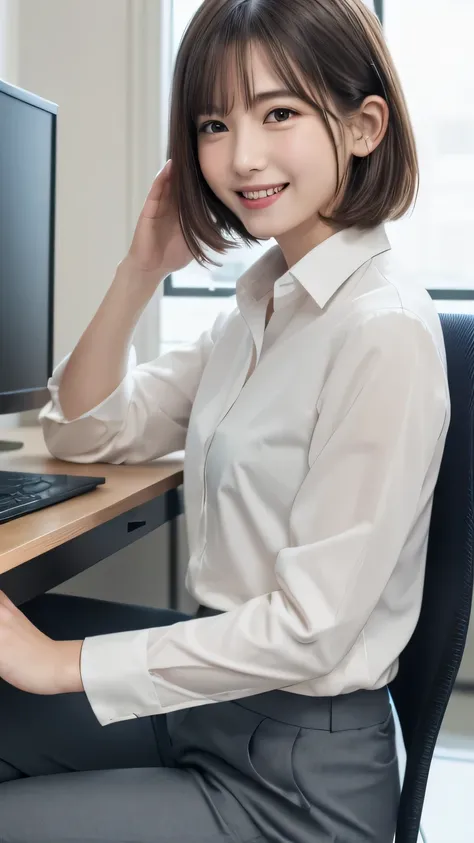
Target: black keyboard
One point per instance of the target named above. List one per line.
(22, 492)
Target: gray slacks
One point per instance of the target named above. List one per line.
(275, 767)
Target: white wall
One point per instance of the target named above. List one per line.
(83, 55)
(100, 62)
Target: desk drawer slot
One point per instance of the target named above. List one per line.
(135, 525)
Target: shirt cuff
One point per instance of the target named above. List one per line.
(115, 676)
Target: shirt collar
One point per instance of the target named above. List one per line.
(321, 272)
(324, 269)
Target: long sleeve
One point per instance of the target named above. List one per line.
(380, 422)
(144, 418)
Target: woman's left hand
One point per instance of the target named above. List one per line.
(33, 662)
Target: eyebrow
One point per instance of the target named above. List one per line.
(263, 96)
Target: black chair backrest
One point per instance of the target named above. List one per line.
(430, 662)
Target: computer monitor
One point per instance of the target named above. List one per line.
(27, 227)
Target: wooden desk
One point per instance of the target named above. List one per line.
(43, 549)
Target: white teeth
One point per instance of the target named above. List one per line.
(259, 194)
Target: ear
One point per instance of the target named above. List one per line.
(369, 125)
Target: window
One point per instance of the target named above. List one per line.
(430, 41)
(377, 7)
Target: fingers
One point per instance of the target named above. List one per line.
(159, 194)
(160, 181)
(166, 169)
(5, 601)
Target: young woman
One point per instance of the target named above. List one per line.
(314, 419)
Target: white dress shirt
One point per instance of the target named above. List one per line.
(308, 487)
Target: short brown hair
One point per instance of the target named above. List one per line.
(338, 48)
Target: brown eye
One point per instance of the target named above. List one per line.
(203, 129)
(281, 114)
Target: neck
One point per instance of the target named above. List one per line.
(295, 244)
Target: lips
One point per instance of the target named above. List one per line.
(262, 201)
(278, 188)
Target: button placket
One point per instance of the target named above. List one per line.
(253, 320)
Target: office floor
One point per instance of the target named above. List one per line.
(448, 815)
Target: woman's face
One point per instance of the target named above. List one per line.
(281, 141)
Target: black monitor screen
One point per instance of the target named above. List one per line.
(26, 244)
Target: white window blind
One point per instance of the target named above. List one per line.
(431, 42)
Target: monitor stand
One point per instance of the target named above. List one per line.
(9, 445)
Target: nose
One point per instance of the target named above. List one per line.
(249, 151)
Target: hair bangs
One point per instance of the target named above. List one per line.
(224, 69)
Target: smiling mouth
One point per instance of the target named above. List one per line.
(262, 194)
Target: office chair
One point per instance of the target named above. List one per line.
(430, 662)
